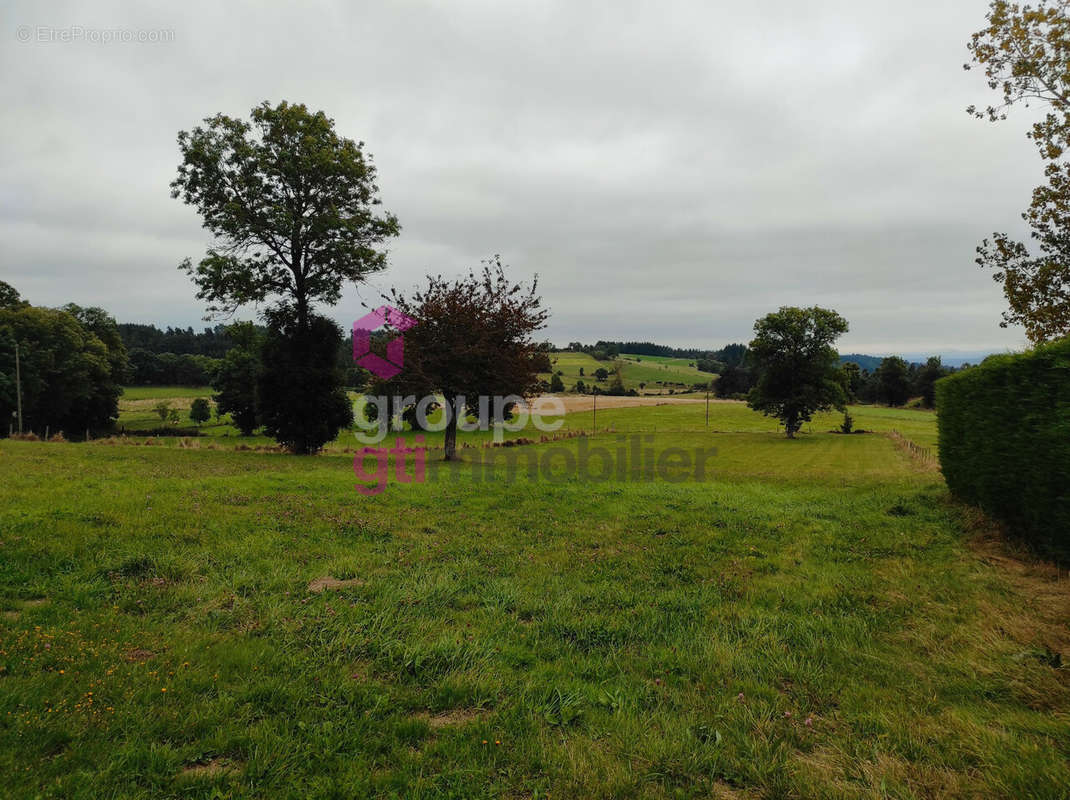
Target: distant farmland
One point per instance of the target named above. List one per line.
(673, 373)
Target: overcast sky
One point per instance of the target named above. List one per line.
(671, 171)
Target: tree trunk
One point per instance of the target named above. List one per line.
(791, 424)
(302, 314)
(450, 440)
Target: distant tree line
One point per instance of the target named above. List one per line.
(795, 371)
(183, 357)
(613, 349)
(214, 341)
(712, 361)
(894, 382)
(173, 356)
(171, 369)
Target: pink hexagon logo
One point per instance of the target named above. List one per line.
(390, 366)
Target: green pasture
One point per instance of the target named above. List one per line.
(734, 415)
(137, 413)
(808, 619)
(164, 392)
(634, 370)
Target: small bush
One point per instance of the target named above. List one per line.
(200, 411)
(1004, 431)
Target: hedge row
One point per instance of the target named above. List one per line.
(1005, 440)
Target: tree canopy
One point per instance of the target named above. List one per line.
(9, 297)
(798, 365)
(1024, 51)
(293, 207)
(67, 371)
(893, 381)
(473, 337)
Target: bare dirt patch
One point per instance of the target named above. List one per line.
(210, 769)
(150, 403)
(22, 605)
(453, 718)
(327, 583)
(139, 655)
(360, 671)
(579, 402)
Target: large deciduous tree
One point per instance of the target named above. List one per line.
(798, 366)
(293, 207)
(473, 337)
(1025, 52)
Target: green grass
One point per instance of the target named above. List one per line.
(165, 392)
(647, 370)
(734, 415)
(809, 620)
(651, 369)
(137, 413)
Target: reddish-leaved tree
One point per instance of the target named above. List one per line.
(473, 337)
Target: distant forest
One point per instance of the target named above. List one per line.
(731, 355)
(173, 356)
(212, 342)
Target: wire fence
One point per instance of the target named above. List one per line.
(923, 454)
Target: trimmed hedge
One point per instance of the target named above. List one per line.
(1005, 440)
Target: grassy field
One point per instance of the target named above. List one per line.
(137, 412)
(809, 619)
(647, 370)
(131, 393)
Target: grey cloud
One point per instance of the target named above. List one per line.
(671, 171)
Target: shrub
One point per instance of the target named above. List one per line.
(1004, 431)
(848, 423)
(200, 411)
